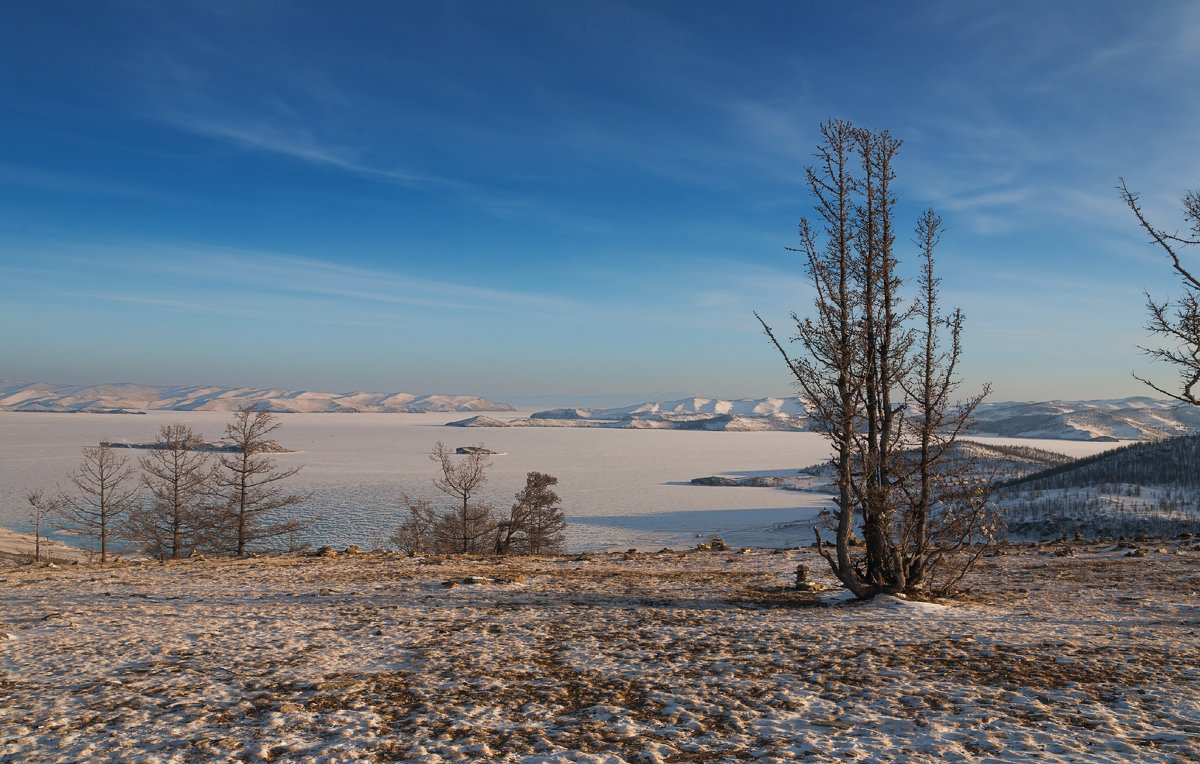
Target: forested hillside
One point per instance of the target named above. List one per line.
(1142, 488)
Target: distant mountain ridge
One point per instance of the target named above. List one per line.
(693, 413)
(126, 397)
(1138, 418)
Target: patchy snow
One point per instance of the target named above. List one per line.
(611, 658)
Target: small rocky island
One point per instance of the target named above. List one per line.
(223, 448)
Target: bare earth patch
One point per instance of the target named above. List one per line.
(702, 657)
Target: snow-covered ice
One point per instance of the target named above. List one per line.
(620, 488)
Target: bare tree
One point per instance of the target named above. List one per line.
(106, 491)
(250, 483)
(469, 528)
(415, 534)
(1179, 323)
(182, 515)
(535, 522)
(826, 371)
(41, 509)
(876, 386)
(949, 519)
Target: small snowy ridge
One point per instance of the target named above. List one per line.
(699, 656)
(907, 608)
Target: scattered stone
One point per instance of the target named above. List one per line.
(1065, 552)
(718, 545)
(1136, 553)
(288, 708)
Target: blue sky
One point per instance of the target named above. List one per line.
(579, 198)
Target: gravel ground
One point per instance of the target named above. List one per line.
(702, 656)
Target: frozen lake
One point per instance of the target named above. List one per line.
(620, 488)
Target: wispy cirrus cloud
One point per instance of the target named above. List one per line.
(303, 144)
(194, 277)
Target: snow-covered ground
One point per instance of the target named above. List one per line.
(621, 488)
(701, 657)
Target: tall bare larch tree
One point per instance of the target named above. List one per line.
(250, 484)
(106, 492)
(182, 514)
(877, 386)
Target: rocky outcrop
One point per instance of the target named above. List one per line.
(757, 481)
(478, 421)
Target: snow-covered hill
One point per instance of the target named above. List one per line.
(1122, 419)
(683, 414)
(1137, 418)
(124, 397)
(1147, 488)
